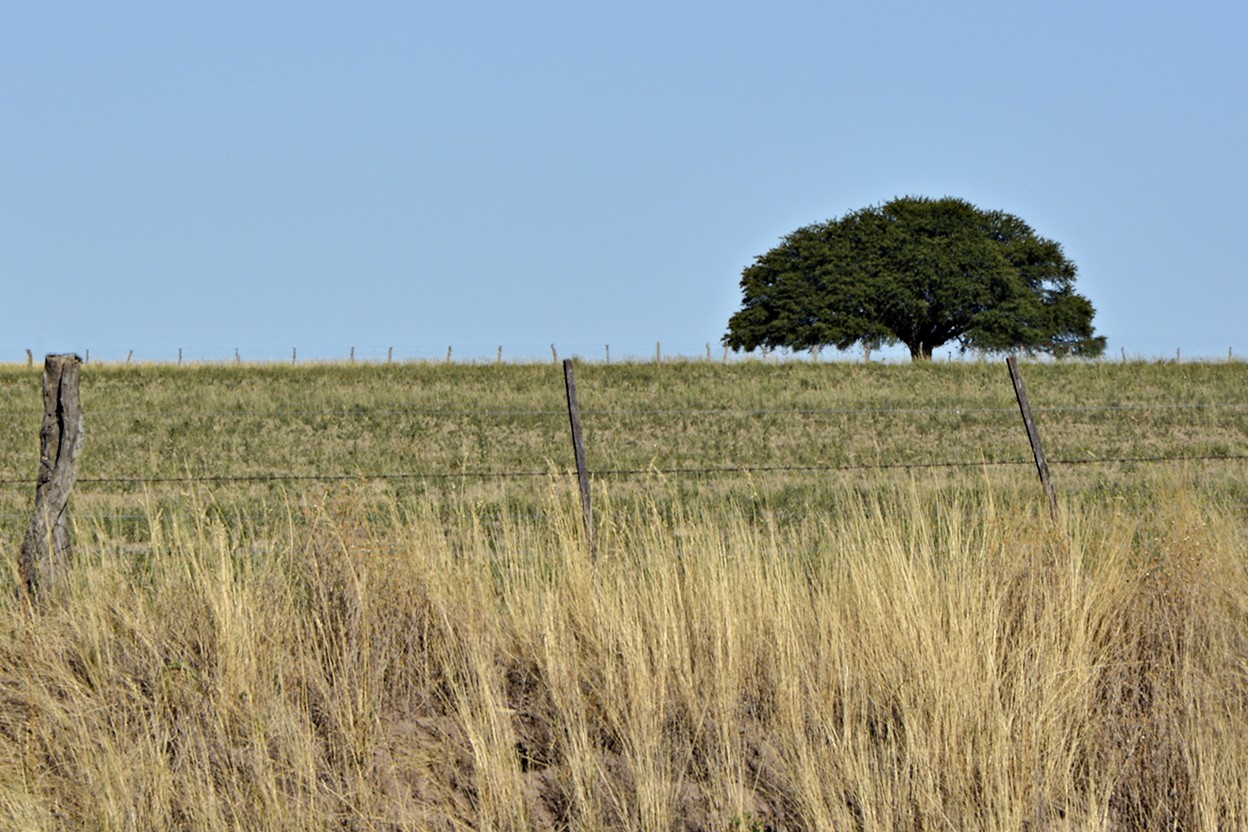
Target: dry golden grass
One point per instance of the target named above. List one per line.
(919, 659)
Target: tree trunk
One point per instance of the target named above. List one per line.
(920, 352)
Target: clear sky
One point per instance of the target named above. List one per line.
(269, 175)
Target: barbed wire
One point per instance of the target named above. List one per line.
(357, 413)
(275, 477)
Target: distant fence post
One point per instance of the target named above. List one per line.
(578, 449)
(1033, 435)
(45, 550)
(30, 358)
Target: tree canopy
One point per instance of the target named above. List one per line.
(919, 271)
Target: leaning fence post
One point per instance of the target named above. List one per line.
(46, 548)
(578, 448)
(1033, 436)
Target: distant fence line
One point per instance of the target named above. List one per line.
(426, 353)
(536, 354)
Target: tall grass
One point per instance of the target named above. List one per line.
(920, 658)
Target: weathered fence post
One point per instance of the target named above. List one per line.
(1033, 436)
(578, 449)
(45, 550)
(30, 358)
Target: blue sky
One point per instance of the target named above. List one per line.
(263, 176)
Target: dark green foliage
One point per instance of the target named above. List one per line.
(918, 271)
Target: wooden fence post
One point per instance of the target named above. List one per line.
(578, 449)
(1033, 436)
(45, 550)
(30, 358)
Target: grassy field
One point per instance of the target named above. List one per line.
(447, 433)
(335, 597)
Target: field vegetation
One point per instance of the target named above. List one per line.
(828, 597)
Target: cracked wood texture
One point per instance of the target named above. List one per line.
(46, 547)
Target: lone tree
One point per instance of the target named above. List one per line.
(923, 272)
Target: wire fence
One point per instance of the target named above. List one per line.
(731, 470)
(686, 411)
(727, 469)
(125, 434)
